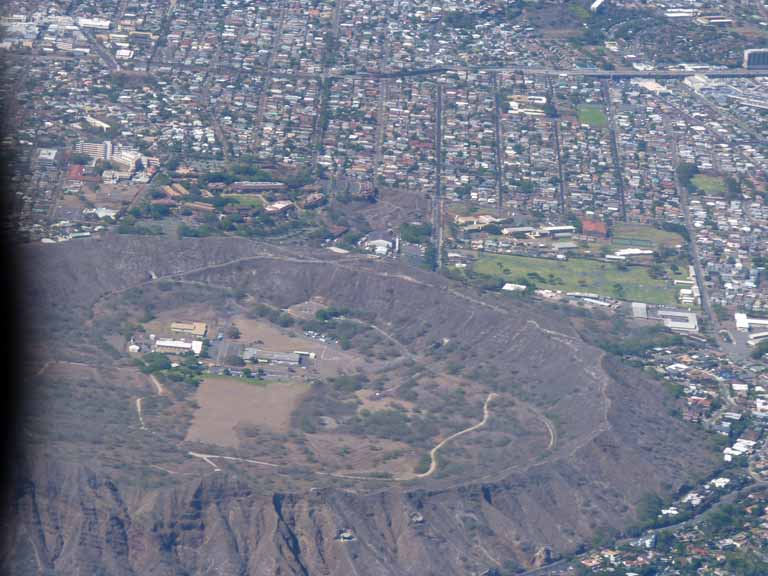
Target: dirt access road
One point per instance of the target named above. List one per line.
(436, 449)
(210, 458)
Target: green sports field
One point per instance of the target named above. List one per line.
(581, 275)
(593, 115)
(714, 185)
(647, 233)
(245, 199)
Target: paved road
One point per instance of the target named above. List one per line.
(499, 141)
(694, 252)
(576, 72)
(381, 121)
(614, 131)
(268, 71)
(712, 319)
(438, 208)
(534, 71)
(618, 73)
(556, 136)
(208, 104)
(103, 53)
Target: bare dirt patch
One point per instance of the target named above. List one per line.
(272, 337)
(71, 205)
(307, 310)
(226, 403)
(393, 207)
(111, 195)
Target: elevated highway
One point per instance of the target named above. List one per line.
(575, 72)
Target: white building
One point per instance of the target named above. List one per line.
(679, 320)
(47, 156)
(744, 323)
(179, 346)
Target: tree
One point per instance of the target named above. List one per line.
(415, 233)
(80, 159)
(233, 332)
(656, 271)
(685, 172)
(430, 257)
(649, 507)
(550, 110)
(733, 188)
(526, 187)
(745, 564)
(677, 228)
(665, 540)
(154, 362)
(760, 350)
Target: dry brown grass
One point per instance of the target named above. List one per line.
(226, 403)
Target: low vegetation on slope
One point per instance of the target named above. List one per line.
(408, 359)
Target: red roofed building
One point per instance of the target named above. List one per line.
(594, 228)
(164, 202)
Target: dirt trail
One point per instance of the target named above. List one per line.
(210, 458)
(140, 414)
(158, 386)
(436, 449)
(44, 368)
(550, 427)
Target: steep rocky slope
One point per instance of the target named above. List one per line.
(77, 516)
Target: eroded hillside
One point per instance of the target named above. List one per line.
(509, 438)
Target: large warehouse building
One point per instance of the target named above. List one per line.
(756, 58)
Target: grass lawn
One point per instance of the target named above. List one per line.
(245, 199)
(709, 184)
(641, 232)
(237, 380)
(581, 275)
(579, 11)
(463, 209)
(593, 115)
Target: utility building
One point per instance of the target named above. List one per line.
(266, 357)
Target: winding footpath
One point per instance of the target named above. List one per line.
(158, 386)
(210, 458)
(436, 449)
